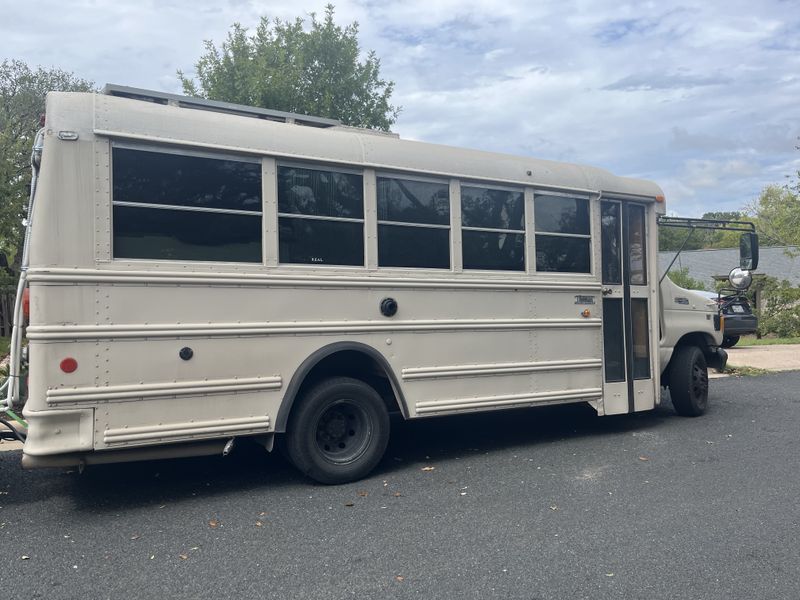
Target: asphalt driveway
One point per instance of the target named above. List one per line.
(547, 503)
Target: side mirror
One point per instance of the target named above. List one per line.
(748, 251)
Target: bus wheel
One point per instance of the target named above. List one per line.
(688, 381)
(338, 431)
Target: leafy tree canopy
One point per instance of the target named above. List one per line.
(283, 66)
(778, 215)
(22, 101)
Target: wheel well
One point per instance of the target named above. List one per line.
(697, 338)
(343, 360)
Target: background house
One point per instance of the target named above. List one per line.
(711, 265)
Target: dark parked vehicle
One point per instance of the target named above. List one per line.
(738, 317)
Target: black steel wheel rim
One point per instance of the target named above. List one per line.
(699, 384)
(343, 431)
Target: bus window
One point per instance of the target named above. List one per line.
(637, 245)
(413, 223)
(641, 339)
(611, 233)
(493, 229)
(320, 217)
(169, 206)
(563, 237)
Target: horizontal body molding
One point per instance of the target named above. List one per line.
(185, 330)
(382, 280)
(121, 393)
(416, 373)
(510, 401)
(186, 430)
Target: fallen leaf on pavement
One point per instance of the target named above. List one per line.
(262, 514)
(398, 578)
(259, 524)
(609, 574)
(427, 468)
(348, 504)
(553, 507)
(183, 556)
(363, 493)
(25, 557)
(213, 523)
(135, 537)
(643, 458)
(397, 494)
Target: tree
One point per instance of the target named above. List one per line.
(22, 99)
(778, 214)
(282, 66)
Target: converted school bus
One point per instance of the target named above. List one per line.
(202, 271)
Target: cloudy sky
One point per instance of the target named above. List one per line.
(702, 97)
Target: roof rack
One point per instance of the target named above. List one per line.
(215, 106)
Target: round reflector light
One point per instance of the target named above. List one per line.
(69, 365)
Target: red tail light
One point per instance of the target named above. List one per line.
(69, 365)
(26, 303)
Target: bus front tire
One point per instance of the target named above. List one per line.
(338, 431)
(688, 381)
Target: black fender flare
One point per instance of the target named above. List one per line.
(311, 361)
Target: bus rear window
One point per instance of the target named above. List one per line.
(169, 206)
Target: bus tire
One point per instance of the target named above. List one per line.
(688, 381)
(729, 341)
(338, 431)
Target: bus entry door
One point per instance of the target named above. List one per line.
(628, 382)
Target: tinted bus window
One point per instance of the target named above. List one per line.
(169, 206)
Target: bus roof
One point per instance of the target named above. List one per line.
(158, 118)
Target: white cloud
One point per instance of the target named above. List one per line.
(701, 98)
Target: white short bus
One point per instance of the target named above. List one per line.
(200, 271)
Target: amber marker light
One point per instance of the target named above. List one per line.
(660, 198)
(586, 313)
(69, 365)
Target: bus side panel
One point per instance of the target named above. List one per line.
(449, 354)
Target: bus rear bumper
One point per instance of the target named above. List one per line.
(59, 431)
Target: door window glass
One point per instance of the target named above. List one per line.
(637, 245)
(641, 338)
(613, 340)
(612, 246)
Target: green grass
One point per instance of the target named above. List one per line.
(5, 345)
(767, 341)
(746, 371)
